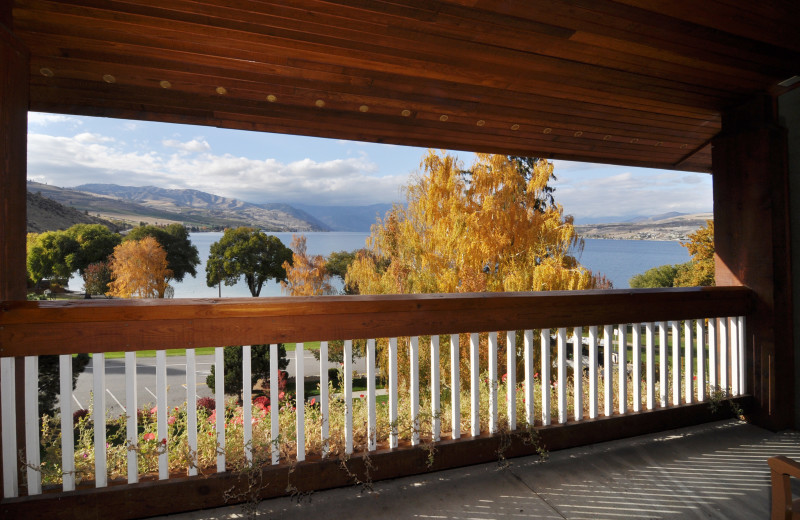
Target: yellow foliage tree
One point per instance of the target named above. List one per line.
(481, 235)
(306, 275)
(700, 271)
(139, 270)
(480, 232)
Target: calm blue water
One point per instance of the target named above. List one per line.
(619, 260)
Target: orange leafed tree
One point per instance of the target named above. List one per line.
(139, 270)
(307, 275)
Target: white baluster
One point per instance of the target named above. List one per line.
(712, 354)
(9, 418)
(622, 368)
(662, 364)
(527, 359)
(701, 361)
(562, 375)
(414, 357)
(734, 328)
(219, 398)
(723, 355)
(636, 359)
(161, 413)
(372, 442)
(300, 400)
(348, 397)
(393, 392)
(323, 396)
(67, 435)
(511, 378)
(742, 358)
(99, 418)
(593, 372)
(493, 414)
(475, 425)
(247, 402)
(455, 386)
(436, 422)
(608, 369)
(651, 369)
(688, 362)
(132, 436)
(32, 444)
(577, 373)
(546, 362)
(191, 407)
(274, 402)
(676, 363)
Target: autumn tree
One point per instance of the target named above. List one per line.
(700, 270)
(306, 274)
(96, 278)
(250, 253)
(182, 256)
(139, 270)
(488, 231)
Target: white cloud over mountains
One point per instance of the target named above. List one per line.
(92, 158)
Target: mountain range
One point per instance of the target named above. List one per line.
(201, 210)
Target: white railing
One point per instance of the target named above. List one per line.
(609, 357)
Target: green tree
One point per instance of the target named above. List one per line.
(182, 256)
(259, 366)
(50, 255)
(247, 252)
(337, 264)
(95, 244)
(661, 276)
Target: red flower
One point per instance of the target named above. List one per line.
(362, 396)
(164, 441)
(312, 401)
(149, 436)
(280, 395)
(505, 376)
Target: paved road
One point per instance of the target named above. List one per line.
(176, 380)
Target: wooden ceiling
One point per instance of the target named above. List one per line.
(634, 82)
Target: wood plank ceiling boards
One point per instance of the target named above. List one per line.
(633, 82)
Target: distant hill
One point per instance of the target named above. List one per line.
(48, 215)
(667, 226)
(347, 218)
(190, 207)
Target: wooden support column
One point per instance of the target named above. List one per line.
(14, 92)
(752, 247)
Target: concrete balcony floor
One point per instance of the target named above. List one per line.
(717, 470)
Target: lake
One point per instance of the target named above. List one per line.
(619, 260)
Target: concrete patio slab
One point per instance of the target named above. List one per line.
(716, 470)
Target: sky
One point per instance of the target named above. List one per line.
(258, 167)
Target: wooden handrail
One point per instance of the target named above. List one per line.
(61, 327)
(781, 469)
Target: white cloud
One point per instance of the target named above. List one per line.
(199, 145)
(607, 191)
(41, 119)
(92, 158)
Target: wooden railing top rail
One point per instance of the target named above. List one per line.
(60, 327)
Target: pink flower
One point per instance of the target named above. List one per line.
(171, 420)
(213, 417)
(312, 401)
(154, 409)
(536, 374)
(505, 376)
(281, 395)
(149, 436)
(269, 408)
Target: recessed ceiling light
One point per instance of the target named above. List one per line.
(606, 137)
(443, 117)
(165, 84)
(363, 108)
(320, 103)
(108, 78)
(405, 113)
(578, 133)
(271, 98)
(46, 72)
(547, 130)
(515, 127)
(480, 122)
(222, 91)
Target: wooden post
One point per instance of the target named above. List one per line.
(751, 242)
(14, 91)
